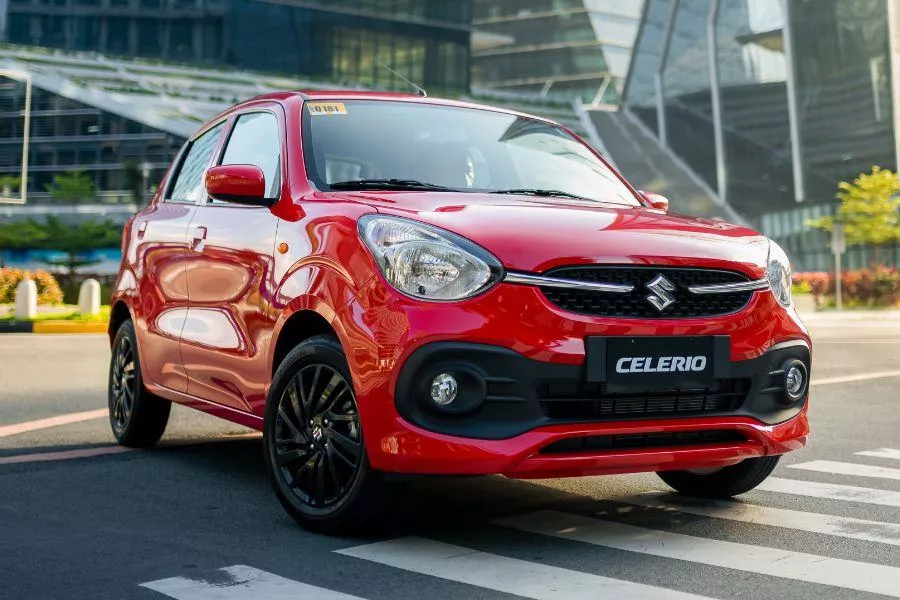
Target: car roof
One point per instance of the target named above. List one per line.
(290, 97)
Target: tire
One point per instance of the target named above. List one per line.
(313, 442)
(724, 483)
(137, 417)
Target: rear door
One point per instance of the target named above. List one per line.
(160, 251)
(229, 274)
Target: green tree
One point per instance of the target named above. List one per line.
(72, 187)
(10, 184)
(75, 240)
(20, 236)
(134, 180)
(869, 209)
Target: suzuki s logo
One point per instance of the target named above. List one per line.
(660, 295)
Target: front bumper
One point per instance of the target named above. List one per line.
(387, 336)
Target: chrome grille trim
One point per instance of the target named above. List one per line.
(727, 288)
(541, 281)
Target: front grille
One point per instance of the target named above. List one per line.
(631, 441)
(635, 304)
(592, 402)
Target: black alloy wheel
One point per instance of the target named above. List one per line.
(318, 440)
(137, 417)
(313, 441)
(122, 384)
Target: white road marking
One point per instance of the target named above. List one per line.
(503, 574)
(846, 527)
(63, 455)
(881, 453)
(843, 468)
(243, 582)
(830, 491)
(843, 341)
(852, 378)
(847, 574)
(19, 428)
(104, 450)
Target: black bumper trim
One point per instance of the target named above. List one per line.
(515, 398)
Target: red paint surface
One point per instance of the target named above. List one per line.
(235, 181)
(219, 262)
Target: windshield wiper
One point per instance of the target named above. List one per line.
(541, 193)
(389, 184)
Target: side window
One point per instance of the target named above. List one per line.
(189, 185)
(256, 140)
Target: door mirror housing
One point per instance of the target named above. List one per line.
(657, 201)
(240, 184)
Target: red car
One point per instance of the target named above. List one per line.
(386, 283)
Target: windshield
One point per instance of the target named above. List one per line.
(366, 144)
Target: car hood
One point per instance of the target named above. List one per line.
(536, 234)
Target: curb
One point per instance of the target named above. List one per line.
(52, 327)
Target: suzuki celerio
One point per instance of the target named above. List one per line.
(386, 283)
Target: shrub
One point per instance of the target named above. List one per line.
(48, 289)
(862, 288)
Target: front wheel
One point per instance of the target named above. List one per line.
(722, 483)
(313, 441)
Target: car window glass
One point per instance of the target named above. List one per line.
(257, 141)
(465, 149)
(189, 185)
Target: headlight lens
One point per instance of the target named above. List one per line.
(428, 262)
(778, 272)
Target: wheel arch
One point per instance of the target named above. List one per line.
(118, 315)
(301, 325)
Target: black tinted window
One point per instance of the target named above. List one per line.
(189, 184)
(256, 141)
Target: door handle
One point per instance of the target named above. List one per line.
(199, 241)
(142, 229)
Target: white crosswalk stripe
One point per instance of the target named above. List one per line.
(881, 453)
(481, 568)
(846, 527)
(831, 491)
(243, 583)
(845, 468)
(503, 574)
(848, 574)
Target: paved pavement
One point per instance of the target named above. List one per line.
(195, 519)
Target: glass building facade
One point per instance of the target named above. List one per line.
(565, 48)
(769, 102)
(122, 157)
(347, 41)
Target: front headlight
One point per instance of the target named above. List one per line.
(427, 262)
(778, 272)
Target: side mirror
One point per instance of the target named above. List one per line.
(241, 184)
(657, 201)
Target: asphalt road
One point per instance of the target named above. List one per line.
(195, 519)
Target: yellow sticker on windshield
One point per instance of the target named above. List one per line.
(327, 108)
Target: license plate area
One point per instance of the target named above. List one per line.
(636, 364)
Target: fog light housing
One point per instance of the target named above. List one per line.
(444, 389)
(796, 380)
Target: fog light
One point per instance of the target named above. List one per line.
(443, 389)
(795, 380)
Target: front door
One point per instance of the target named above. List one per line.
(159, 263)
(229, 275)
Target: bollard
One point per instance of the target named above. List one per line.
(26, 300)
(89, 297)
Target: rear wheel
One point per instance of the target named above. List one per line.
(314, 442)
(137, 417)
(724, 482)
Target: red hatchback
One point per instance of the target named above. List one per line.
(386, 283)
